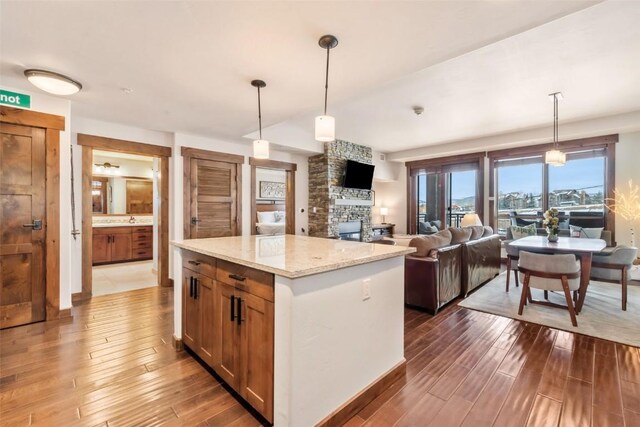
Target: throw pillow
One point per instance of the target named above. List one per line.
(587, 233)
(437, 224)
(279, 216)
(425, 244)
(488, 231)
(518, 231)
(266, 217)
(459, 235)
(476, 231)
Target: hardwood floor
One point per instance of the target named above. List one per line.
(114, 365)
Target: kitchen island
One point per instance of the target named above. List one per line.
(306, 330)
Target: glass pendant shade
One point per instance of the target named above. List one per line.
(53, 83)
(261, 149)
(325, 128)
(555, 158)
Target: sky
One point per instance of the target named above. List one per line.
(576, 174)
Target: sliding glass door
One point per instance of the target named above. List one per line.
(443, 191)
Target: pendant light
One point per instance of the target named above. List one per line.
(326, 125)
(53, 83)
(555, 157)
(260, 146)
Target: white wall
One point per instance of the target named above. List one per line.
(392, 195)
(627, 167)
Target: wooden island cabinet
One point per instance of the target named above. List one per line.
(227, 320)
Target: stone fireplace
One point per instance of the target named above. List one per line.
(331, 204)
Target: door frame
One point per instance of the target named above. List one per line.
(189, 153)
(91, 142)
(290, 189)
(53, 125)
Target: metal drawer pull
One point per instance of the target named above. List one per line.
(191, 287)
(195, 288)
(239, 318)
(237, 277)
(233, 307)
(193, 262)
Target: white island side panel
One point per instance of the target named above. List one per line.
(329, 343)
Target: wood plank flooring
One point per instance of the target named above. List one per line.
(114, 365)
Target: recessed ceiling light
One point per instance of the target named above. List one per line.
(127, 90)
(51, 82)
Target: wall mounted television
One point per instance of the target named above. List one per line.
(358, 175)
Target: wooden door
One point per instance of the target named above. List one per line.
(256, 353)
(190, 312)
(22, 200)
(101, 248)
(120, 247)
(226, 327)
(213, 196)
(206, 297)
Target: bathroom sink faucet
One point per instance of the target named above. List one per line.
(132, 220)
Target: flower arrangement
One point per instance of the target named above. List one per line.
(552, 223)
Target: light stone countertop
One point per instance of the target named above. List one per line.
(121, 224)
(292, 256)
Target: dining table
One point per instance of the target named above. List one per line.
(582, 248)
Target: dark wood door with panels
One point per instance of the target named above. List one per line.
(214, 195)
(22, 225)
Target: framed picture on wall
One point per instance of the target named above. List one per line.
(272, 190)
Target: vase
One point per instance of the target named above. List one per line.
(552, 238)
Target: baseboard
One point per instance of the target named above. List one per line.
(177, 343)
(350, 408)
(65, 314)
(79, 297)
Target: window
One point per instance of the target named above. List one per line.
(519, 183)
(524, 186)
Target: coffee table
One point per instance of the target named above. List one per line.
(582, 248)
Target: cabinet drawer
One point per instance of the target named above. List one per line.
(111, 230)
(145, 229)
(199, 263)
(142, 244)
(141, 253)
(256, 282)
(141, 237)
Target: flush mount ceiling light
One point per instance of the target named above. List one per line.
(107, 168)
(260, 146)
(555, 157)
(326, 125)
(51, 82)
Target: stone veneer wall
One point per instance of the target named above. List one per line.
(326, 173)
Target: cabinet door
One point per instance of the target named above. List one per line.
(207, 344)
(190, 315)
(256, 353)
(120, 247)
(226, 327)
(101, 248)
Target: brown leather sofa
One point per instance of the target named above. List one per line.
(440, 270)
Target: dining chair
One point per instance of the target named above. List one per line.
(559, 273)
(513, 254)
(614, 267)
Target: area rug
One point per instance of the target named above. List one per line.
(601, 316)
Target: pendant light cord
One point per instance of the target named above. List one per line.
(555, 120)
(326, 83)
(259, 113)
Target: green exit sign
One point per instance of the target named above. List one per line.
(15, 99)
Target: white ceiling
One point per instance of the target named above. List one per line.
(477, 67)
